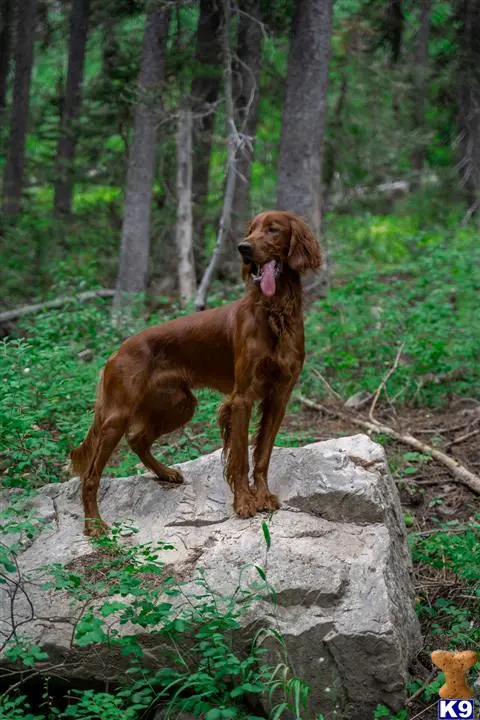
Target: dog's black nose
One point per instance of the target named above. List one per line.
(245, 250)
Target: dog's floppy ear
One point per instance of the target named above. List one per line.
(304, 252)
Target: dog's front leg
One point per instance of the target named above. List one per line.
(273, 411)
(234, 420)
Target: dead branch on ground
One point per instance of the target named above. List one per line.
(10, 315)
(463, 438)
(384, 382)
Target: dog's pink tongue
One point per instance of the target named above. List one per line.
(267, 282)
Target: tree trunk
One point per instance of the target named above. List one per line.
(44, 27)
(184, 228)
(468, 82)
(420, 88)
(231, 170)
(6, 8)
(395, 25)
(302, 141)
(246, 97)
(14, 166)
(205, 87)
(71, 106)
(135, 244)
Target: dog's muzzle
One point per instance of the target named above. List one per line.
(246, 251)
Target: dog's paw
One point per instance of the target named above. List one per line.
(175, 476)
(267, 501)
(245, 506)
(171, 476)
(96, 527)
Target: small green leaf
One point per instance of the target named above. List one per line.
(213, 714)
(109, 608)
(260, 572)
(266, 534)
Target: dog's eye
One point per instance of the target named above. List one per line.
(273, 230)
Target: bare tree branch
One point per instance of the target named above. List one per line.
(184, 229)
(384, 382)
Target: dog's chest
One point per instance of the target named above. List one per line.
(283, 357)
(278, 326)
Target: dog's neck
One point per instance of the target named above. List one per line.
(283, 309)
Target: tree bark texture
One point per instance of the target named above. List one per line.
(14, 166)
(184, 227)
(71, 106)
(135, 243)
(395, 27)
(302, 138)
(246, 73)
(205, 87)
(468, 82)
(420, 86)
(231, 170)
(6, 21)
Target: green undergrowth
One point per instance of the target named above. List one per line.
(451, 605)
(420, 299)
(447, 561)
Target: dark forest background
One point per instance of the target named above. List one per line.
(110, 115)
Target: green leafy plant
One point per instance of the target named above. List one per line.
(383, 712)
(451, 609)
(16, 708)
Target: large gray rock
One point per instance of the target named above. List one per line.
(338, 560)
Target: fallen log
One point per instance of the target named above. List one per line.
(10, 315)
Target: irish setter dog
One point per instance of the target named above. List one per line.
(251, 350)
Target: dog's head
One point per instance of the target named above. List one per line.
(277, 240)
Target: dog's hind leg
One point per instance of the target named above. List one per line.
(166, 412)
(110, 434)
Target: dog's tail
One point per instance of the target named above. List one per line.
(83, 455)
